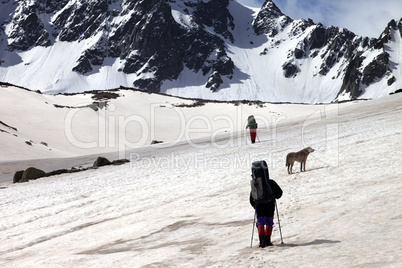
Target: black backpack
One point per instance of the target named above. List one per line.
(261, 191)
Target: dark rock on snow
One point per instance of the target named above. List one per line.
(101, 161)
(18, 176)
(32, 174)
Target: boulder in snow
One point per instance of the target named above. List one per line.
(32, 173)
(101, 161)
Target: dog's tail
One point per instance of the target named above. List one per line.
(287, 161)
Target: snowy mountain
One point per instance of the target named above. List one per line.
(207, 49)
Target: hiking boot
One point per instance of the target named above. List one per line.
(263, 243)
(268, 242)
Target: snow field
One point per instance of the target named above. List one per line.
(187, 205)
(70, 127)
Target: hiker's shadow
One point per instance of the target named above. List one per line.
(309, 169)
(318, 168)
(315, 242)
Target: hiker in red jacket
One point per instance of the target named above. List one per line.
(252, 124)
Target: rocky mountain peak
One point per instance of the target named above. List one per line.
(387, 34)
(270, 20)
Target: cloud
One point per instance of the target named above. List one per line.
(363, 17)
(252, 3)
(367, 17)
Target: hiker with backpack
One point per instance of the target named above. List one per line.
(252, 124)
(263, 195)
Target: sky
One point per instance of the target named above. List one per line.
(363, 17)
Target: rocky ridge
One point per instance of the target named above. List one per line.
(155, 45)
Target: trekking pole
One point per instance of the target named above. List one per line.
(279, 222)
(252, 234)
(257, 137)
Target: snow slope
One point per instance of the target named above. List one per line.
(394, 49)
(186, 205)
(70, 126)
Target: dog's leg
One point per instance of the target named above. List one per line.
(291, 168)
